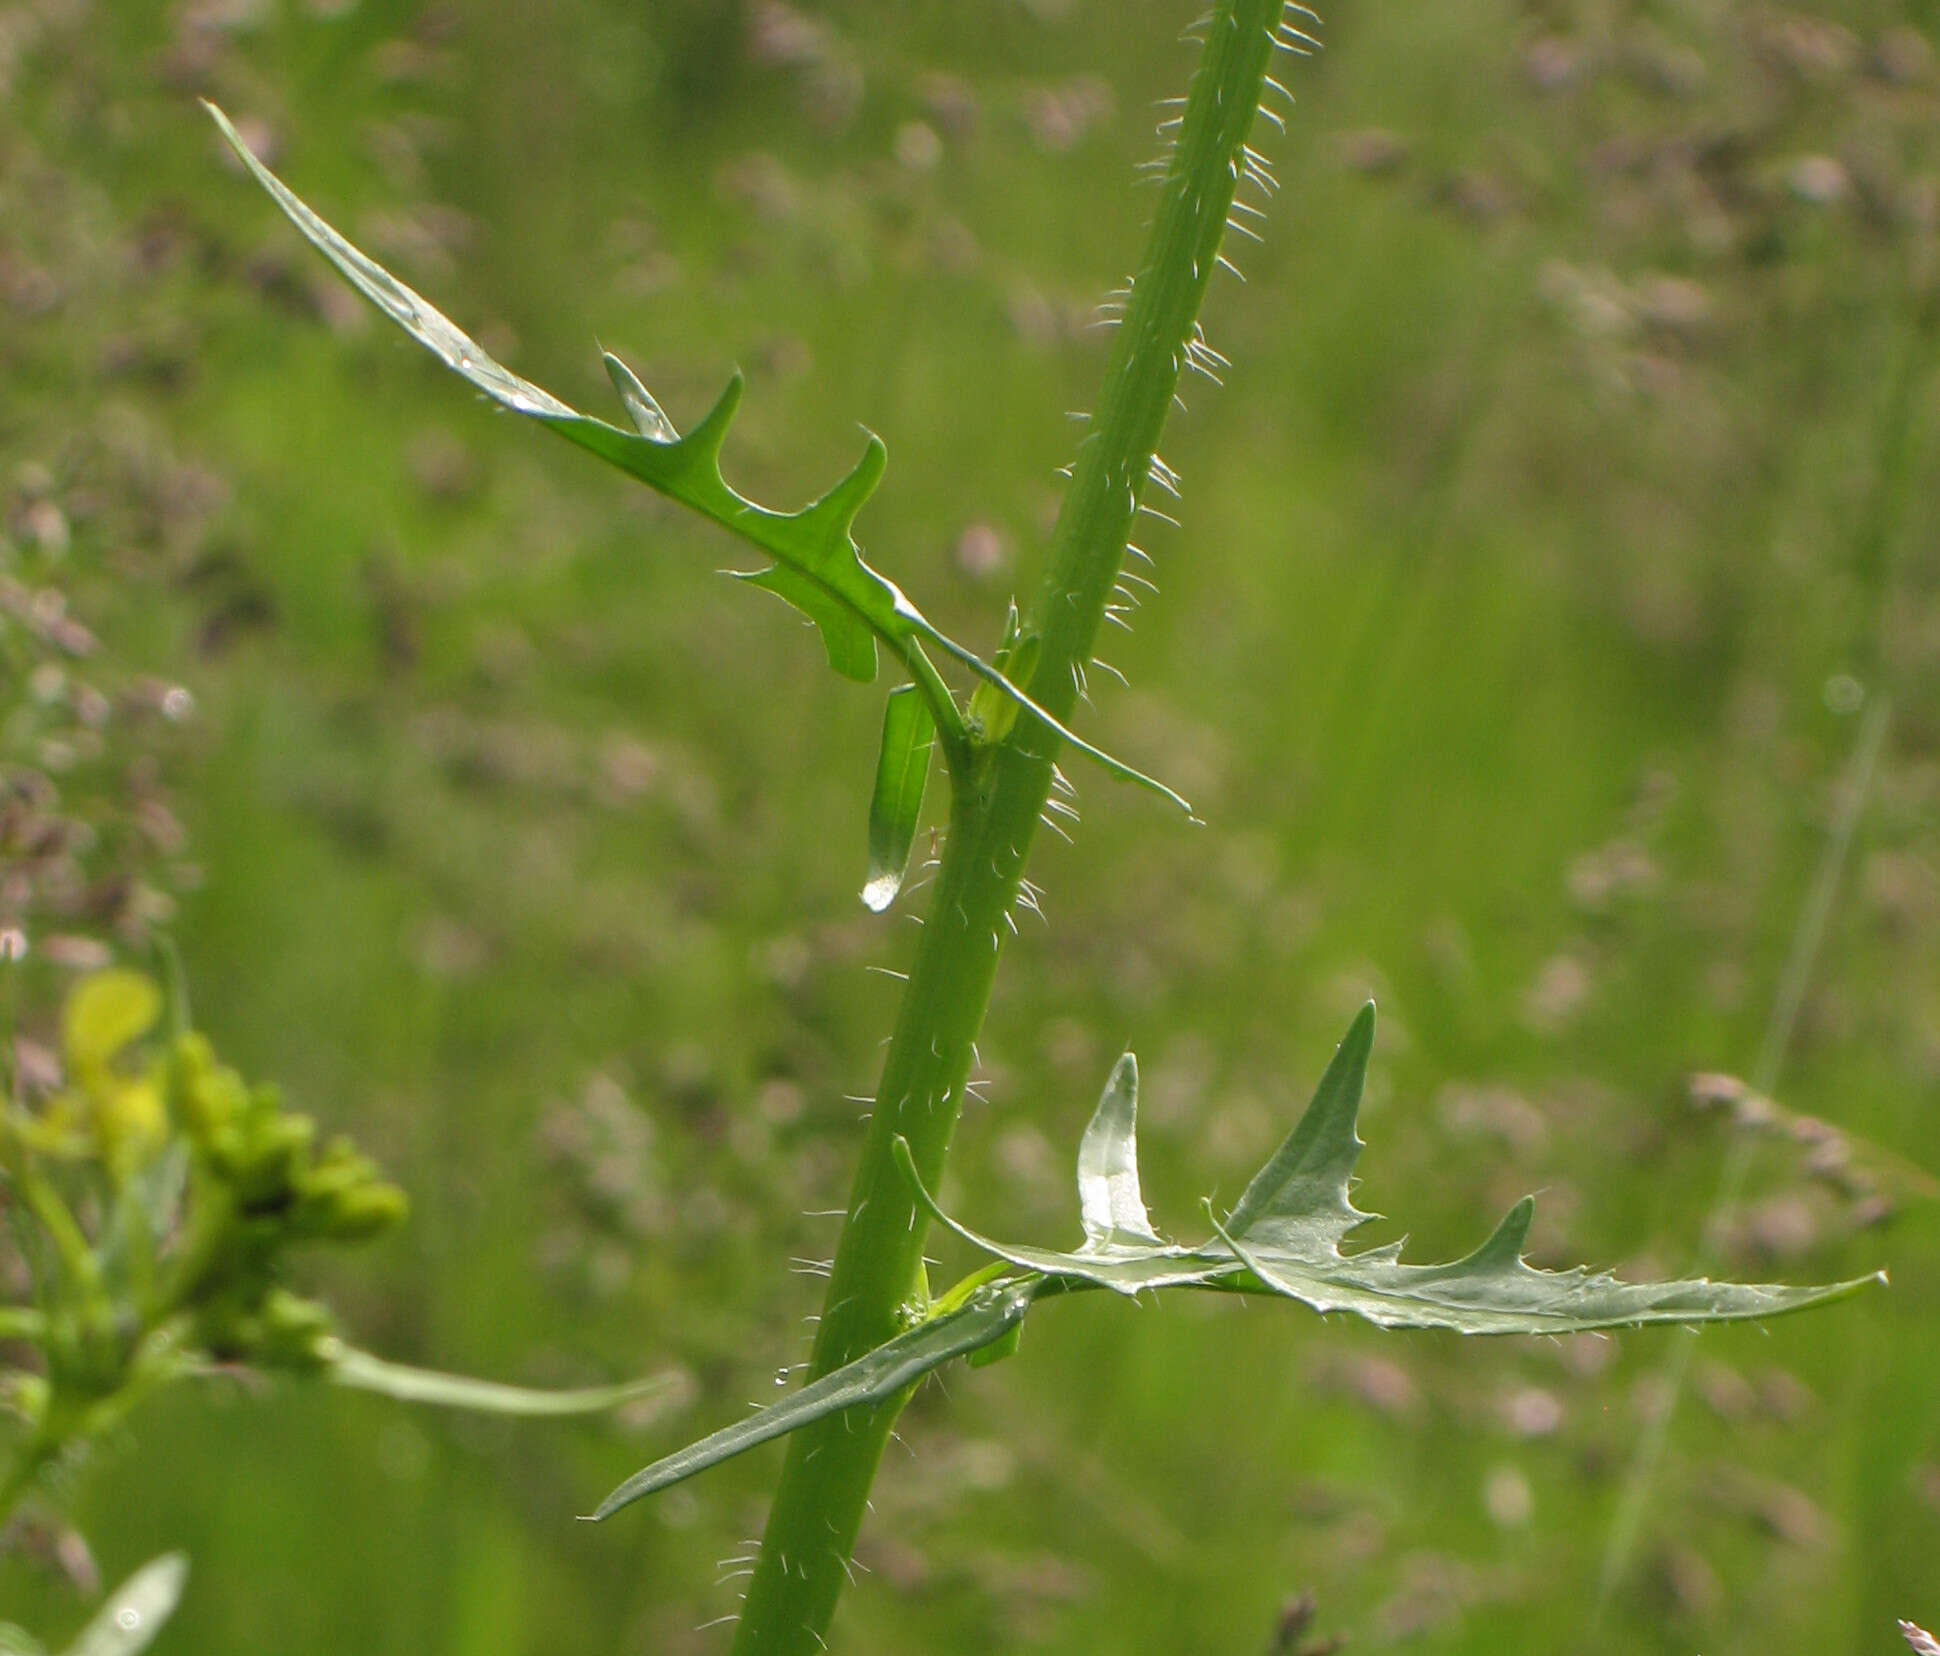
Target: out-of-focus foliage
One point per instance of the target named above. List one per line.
(155, 1198)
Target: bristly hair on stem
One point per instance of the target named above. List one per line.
(818, 1507)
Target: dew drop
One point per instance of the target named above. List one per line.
(128, 1619)
(781, 1377)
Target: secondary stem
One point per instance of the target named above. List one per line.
(995, 806)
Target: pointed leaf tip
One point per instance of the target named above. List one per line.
(838, 508)
(711, 433)
(1305, 1182)
(1503, 1249)
(1110, 1203)
(648, 418)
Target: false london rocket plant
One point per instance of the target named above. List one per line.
(881, 1331)
(156, 1201)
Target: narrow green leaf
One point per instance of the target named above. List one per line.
(17, 1641)
(136, 1610)
(363, 1372)
(892, 1368)
(1289, 1223)
(817, 566)
(1110, 1204)
(902, 773)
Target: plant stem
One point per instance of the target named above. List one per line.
(995, 805)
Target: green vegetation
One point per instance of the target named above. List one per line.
(156, 1199)
(497, 898)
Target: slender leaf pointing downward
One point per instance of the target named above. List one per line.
(817, 566)
(902, 774)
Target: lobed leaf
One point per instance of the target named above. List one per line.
(135, 1611)
(902, 775)
(988, 1316)
(816, 564)
(360, 1371)
(814, 544)
(1283, 1237)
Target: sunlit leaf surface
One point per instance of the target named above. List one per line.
(902, 775)
(136, 1611)
(1284, 1237)
(817, 565)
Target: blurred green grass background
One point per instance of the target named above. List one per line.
(1568, 506)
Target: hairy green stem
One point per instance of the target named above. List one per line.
(995, 805)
